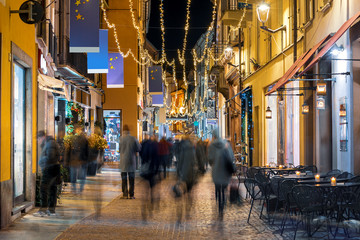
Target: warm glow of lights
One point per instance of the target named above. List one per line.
(321, 88)
(305, 108)
(320, 103)
(263, 12)
(268, 113)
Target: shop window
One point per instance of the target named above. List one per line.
(112, 129)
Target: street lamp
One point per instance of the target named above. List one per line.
(268, 113)
(228, 52)
(305, 108)
(263, 11)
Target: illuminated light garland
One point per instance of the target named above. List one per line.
(241, 19)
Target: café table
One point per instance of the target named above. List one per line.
(322, 181)
(301, 176)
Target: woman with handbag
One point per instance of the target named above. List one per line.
(221, 160)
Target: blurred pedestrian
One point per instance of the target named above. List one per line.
(164, 151)
(201, 156)
(50, 174)
(149, 166)
(77, 159)
(187, 177)
(221, 160)
(129, 146)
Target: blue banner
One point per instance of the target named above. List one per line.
(84, 26)
(115, 76)
(157, 100)
(98, 62)
(155, 80)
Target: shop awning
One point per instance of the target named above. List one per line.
(331, 42)
(51, 84)
(299, 63)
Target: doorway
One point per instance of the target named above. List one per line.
(19, 131)
(112, 127)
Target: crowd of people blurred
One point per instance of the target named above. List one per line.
(189, 157)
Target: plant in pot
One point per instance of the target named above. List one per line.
(97, 144)
(256, 65)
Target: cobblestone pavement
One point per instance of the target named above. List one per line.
(72, 208)
(122, 218)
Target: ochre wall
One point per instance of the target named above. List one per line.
(23, 35)
(125, 98)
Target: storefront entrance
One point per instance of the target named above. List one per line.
(19, 131)
(112, 126)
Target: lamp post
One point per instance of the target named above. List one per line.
(262, 12)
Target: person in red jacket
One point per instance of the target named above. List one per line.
(164, 151)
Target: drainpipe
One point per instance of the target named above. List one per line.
(295, 30)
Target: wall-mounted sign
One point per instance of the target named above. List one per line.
(30, 12)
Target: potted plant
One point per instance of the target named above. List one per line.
(96, 145)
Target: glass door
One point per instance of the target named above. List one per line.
(19, 132)
(112, 120)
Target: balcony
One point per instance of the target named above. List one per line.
(74, 61)
(221, 84)
(233, 11)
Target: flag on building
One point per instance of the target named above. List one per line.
(155, 80)
(98, 62)
(157, 100)
(115, 76)
(84, 26)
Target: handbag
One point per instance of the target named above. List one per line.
(145, 170)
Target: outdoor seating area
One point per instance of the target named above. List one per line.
(301, 201)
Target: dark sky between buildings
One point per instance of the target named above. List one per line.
(175, 19)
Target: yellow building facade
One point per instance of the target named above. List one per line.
(18, 71)
(262, 57)
(127, 99)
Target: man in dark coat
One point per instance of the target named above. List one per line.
(50, 169)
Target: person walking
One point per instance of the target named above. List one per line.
(129, 146)
(50, 173)
(148, 170)
(164, 151)
(221, 160)
(77, 156)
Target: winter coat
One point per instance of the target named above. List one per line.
(220, 159)
(201, 155)
(50, 154)
(129, 146)
(186, 166)
(149, 155)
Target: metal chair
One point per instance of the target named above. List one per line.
(286, 196)
(355, 179)
(332, 173)
(345, 175)
(250, 173)
(310, 201)
(275, 187)
(311, 168)
(254, 188)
